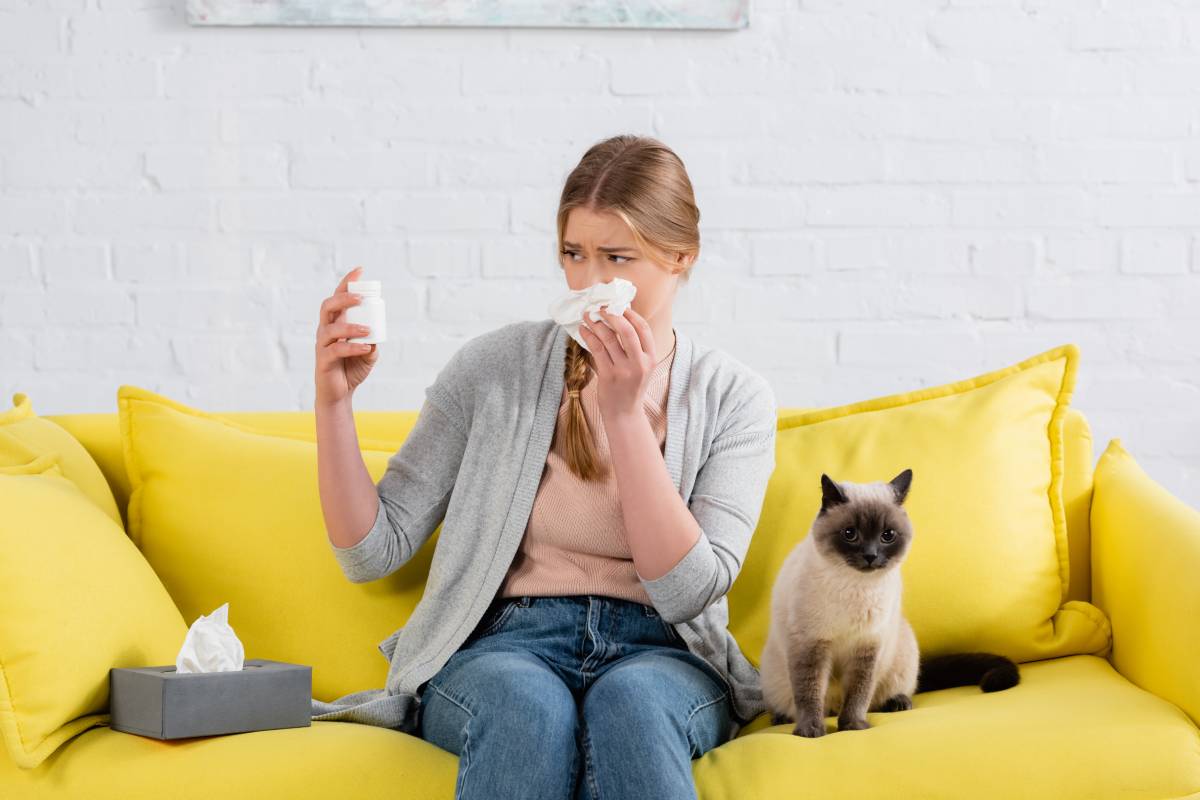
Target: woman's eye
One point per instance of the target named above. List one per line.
(614, 256)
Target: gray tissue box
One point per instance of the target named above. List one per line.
(164, 704)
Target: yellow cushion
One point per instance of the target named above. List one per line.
(1072, 728)
(989, 565)
(76, 598)
(24, 432)
(225, 513)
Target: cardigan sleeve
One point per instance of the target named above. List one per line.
(726, 501)
(414, 491)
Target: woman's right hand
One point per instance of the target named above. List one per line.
(341, 365)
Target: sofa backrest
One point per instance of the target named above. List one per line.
(100, 434)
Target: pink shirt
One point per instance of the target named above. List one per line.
(574, 542)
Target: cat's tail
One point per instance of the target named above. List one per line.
(989, 671)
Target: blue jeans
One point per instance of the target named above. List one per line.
(580, 696)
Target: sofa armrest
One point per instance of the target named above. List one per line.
(1146, 578)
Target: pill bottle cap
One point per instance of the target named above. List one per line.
(366, 288)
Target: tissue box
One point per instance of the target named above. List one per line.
(164, 704)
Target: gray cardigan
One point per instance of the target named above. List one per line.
(475, 456)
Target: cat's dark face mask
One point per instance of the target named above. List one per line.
(868, 533)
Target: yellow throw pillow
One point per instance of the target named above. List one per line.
(988, 566)
(226, 513)
(26, 433)
(76, 599)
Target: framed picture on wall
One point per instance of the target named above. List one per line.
(683, 14)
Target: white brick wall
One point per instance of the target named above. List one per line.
(895, 194)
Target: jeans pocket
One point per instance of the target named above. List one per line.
(497, 616)
(667, 628)
(671, 631)
(493, 619)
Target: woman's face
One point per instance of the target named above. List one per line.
(599, 246)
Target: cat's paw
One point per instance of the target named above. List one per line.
(897, 702)
(853, 724)
(809, 728)
(779, 719)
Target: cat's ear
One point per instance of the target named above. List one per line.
(831, 493)
(900, 485)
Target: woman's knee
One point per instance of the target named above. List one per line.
(660, 694)
(510, 693)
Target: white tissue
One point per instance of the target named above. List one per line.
(568, 310)
(211, 645)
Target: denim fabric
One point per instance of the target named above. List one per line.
(581, 696)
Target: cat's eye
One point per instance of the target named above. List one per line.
(849, 534)
(889, 535)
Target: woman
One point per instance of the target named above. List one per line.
(597, 507)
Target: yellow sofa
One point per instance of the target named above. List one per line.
(1080, 726)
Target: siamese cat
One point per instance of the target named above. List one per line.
(838, 642)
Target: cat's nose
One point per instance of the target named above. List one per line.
(869, 557)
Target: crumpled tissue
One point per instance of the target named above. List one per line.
(211, 645)
(568, 310)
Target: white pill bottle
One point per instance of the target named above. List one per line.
(369, 311)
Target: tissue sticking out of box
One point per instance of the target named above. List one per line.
(211, 645)
(568, 310)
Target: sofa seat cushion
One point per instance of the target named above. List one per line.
(328, 759)
(1072, 728)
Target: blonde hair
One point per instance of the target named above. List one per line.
(642, 181)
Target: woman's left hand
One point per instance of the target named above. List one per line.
(623, 355)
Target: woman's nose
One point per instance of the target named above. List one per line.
(597, 273)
